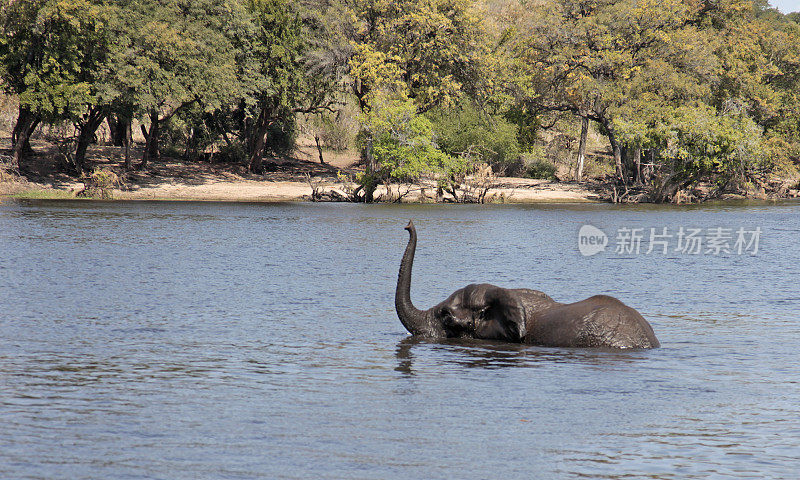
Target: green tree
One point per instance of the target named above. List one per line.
(760, 54)
(597, 58)
(399, 145)
(435, 48)
(49, 53)
(273, 41)
(465, 130)
(403, 59)
(272, 61)
(169, 55)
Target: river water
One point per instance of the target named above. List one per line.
(209, 340)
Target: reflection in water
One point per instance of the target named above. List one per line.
(486, 354)
(405, 360)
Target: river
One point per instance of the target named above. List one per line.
(219, 340)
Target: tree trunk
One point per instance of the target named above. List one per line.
(126, 141)
(618, 161)
(26, 124)
(151, 140)
(647, 171)
(370, 182)
(113, 130)
(360, 92)
(319, 149)
(582, 148)
(637, 161)
(258, 139)
(26, 148)
(155, 136)
(191, 146)
(120, 126)
(91, 122)
(616, 148)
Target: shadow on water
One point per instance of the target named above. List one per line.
(490, 355)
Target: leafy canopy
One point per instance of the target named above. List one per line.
(49, 54)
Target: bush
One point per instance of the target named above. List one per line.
(463, 131)
(398, 145)
(100, 183)
(6, 172)
(541, 169)
(696, 143)
(780, 155)
(281, 137)
(598, 167)
(335, 134)
(172, 137)
(194, 132)
(402, 141)
(233, 153)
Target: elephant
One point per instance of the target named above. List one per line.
(520, 315)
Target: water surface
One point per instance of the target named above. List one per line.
(208, 340)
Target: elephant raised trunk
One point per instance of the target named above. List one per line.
(520, 315)
(417, 322)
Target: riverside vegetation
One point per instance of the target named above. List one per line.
(681, 99)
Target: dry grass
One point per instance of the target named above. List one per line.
(43, 194)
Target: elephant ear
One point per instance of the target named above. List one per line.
(503, 316)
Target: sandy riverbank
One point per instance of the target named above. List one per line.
(220, 188)
(287, 180)
(520, 191)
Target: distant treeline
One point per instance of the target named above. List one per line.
(684, 90)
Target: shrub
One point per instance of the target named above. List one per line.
(6, 172)
(541, 168)
(464, 131)
(696, 143)
(537, 164)
(231, 153)
(402, 141)
(335, 132)
(398, 145)
(194, 132)
(173, 136)
(100, 183)
(281, 137)
(597, 167)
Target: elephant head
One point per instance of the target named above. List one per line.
(482, 311)
(475, 311)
